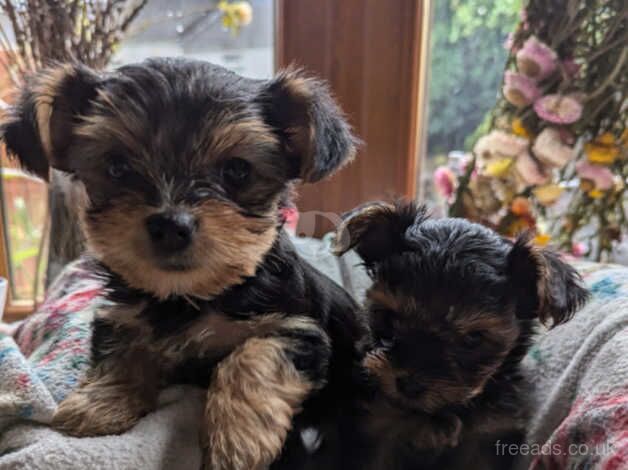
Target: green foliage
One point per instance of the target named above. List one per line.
(467, 61)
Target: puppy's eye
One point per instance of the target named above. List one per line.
(236, 171)
(118, 169)
(473, 340)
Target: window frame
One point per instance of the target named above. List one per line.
(14, 309)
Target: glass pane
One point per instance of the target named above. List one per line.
(24, 202)
(466, 67)
(194, 28)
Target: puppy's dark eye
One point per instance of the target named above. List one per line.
(236, 171)
(118, 169)
(473, 340)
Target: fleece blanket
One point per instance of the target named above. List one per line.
(579, 371)
(43, 359)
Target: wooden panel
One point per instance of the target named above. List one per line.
(369, 51)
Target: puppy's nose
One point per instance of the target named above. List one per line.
(171, 231)
(410, 387)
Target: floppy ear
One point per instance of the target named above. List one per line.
(547, 287)
(311, 126)
(38, 128)
(377, 229)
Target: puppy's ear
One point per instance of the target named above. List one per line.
(311, 126)
(377, 229)
(546, 286)
(38, 128)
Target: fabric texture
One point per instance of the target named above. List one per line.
(44, 359)
(579, 371)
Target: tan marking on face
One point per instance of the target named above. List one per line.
(253, 397)
(381, 295)
(227, 137)
(502, 327)
(228, 247)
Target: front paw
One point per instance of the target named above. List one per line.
(84, 414)
(239, 437)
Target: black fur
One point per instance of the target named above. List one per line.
(175, 139)
(439, 275)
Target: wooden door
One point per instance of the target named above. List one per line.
(371, 52)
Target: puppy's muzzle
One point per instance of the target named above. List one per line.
(171, 232)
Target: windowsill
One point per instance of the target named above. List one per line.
(18, 310)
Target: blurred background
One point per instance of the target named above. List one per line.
(421, 81)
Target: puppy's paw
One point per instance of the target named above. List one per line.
(253, 397)
(88, 413)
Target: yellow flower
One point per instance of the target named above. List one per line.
(603, 149)
(235, 14)
(602, 154)
(519, 129)
(542, 239)
(596, 194)
(498, 168)
(605, 139)
(547, 194)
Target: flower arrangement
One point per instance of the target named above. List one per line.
(555, 156)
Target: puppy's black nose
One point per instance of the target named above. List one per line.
(171, 231)
(409, 387)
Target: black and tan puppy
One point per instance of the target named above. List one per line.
(184, 166)
(452, 311)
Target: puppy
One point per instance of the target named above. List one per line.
(184, 167)
(452, 311)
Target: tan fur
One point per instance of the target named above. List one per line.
(227, 137)
(228, 247)
(255, 393)
(380, 295)
(358, 223)
(45, 92)
(111, 399)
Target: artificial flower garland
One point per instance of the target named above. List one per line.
(558, 131)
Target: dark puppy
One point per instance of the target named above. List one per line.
(452, 311)
(184, 167)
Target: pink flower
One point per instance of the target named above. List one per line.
(558, 109)
(579, 249)
(444, 181)
(529, 170)
(549, 148)
(601, 176)
(536, 59)
(519, 89)
(499, 144)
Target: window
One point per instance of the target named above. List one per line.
(466, 67)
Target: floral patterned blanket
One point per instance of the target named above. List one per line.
(579, 370)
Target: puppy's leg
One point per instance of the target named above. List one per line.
(111, 399)
(121, 386)
(256, 391)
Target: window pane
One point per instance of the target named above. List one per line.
(194, 29)
(466, 67)
(24, 201)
